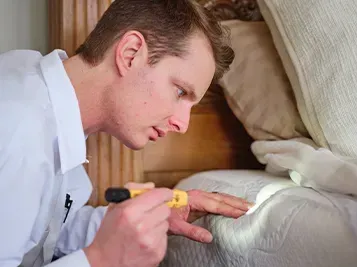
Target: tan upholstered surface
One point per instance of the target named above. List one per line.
(257, 88)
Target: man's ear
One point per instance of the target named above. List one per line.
(131, 52)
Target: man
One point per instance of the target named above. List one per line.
(136, 77)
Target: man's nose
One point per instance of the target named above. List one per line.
(180, 121)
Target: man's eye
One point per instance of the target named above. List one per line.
(180, 92)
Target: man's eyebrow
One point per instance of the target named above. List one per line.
(191, 90)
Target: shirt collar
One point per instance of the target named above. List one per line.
(71, 138)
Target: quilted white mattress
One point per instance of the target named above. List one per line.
(294, 227)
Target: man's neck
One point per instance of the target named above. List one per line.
(88, 84)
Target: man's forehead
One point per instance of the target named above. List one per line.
(195, 70)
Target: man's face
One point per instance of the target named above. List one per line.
(150, 101)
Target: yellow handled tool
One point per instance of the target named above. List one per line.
(117, 195)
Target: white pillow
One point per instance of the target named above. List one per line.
(317, 42)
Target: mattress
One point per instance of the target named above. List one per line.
(295, 226)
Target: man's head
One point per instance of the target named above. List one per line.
(160, 58)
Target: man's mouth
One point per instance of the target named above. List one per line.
(160, 132)
(156, 134)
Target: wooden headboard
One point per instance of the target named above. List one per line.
(214, 140)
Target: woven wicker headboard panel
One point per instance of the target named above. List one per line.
(246, 10)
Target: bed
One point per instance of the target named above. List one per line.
(272, 130)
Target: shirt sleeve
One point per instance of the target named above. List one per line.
(75, 259)
(23, 177)
(80, 230)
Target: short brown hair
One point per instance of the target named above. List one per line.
(166, 26)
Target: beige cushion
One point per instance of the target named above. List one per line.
(256, 86)
(317, 42)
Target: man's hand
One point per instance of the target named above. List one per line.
(200, 204)
(133, 233)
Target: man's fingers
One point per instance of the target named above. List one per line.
(156, 216)
(218, 204)
(111, 206)
(194, 215)
(132, 185)
(190, 231)
(161, 239)
(219, 207)
(233, 201)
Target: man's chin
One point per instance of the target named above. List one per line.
(135, 145)
(130, 142)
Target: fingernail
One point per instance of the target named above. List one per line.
(203, 236)
(207, 238)
(251, 205)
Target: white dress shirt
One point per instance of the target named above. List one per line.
(42, 149)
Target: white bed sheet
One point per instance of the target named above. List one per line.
(295, 227)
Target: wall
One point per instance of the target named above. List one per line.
(23, 25)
